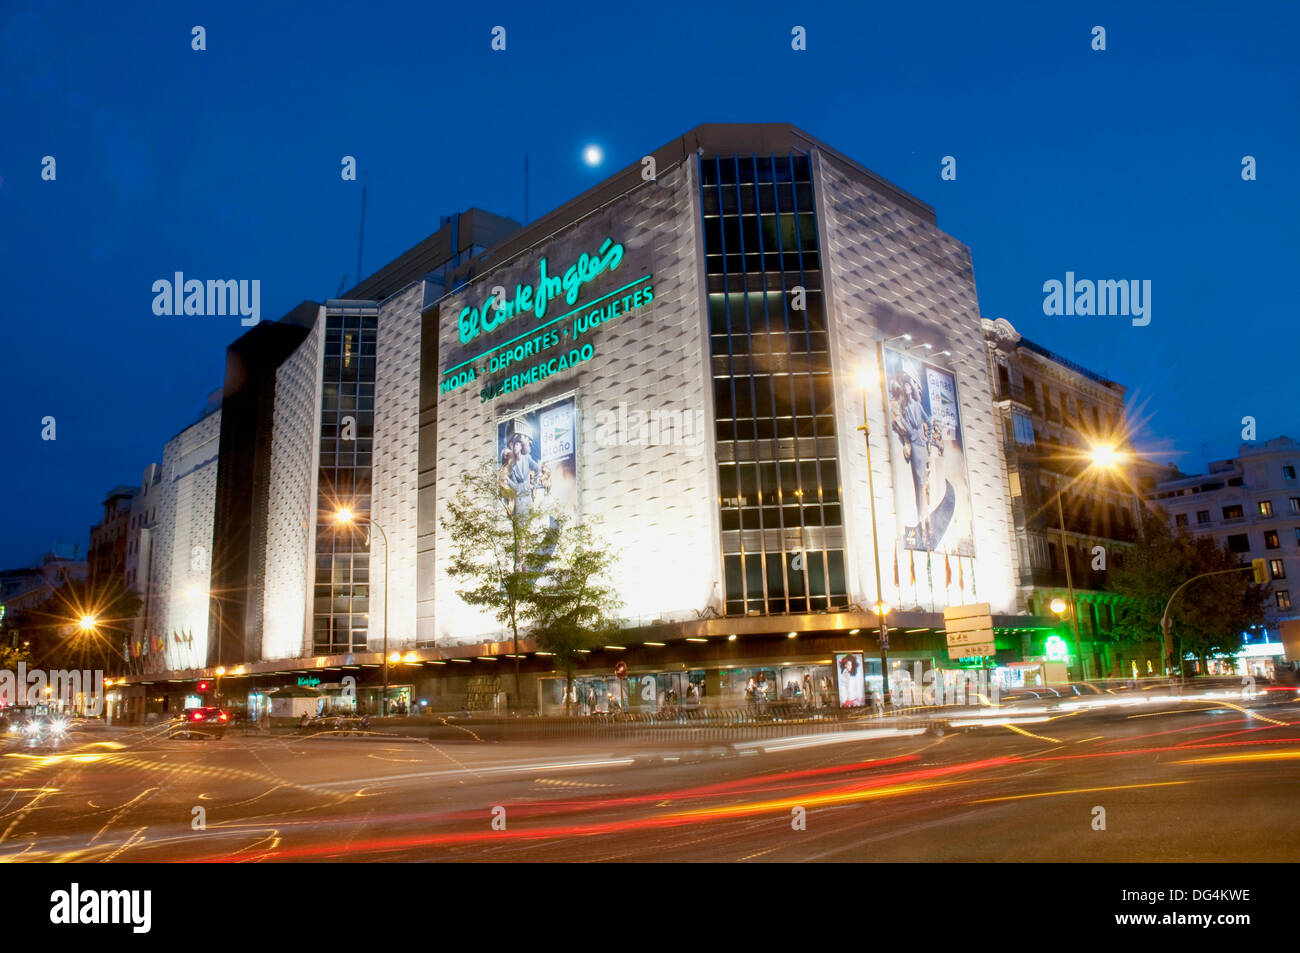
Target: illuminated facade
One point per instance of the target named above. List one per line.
(676, 354)
(752, 280)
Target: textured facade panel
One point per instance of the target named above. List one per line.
(182, 547)
(291, 520)
(890, 272)
(652, 496)
(395, 471)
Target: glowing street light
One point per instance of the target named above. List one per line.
(87, 623)
(1059, 606)
(866, 377)
(345, 517)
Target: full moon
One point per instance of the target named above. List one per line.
(593, 155)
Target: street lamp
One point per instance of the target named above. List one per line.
(345, 517)
(865, 378)
(88, 625)
(1100, 456)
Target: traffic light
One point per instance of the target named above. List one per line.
(1261, 570)
(203, 686)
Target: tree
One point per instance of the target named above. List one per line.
(499, 549)
(575, 605)
(60, 642)
(10, 657)
(1209, 615)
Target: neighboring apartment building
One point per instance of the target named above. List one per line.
(110, 537)
(1052, 413)
(27, 587)
(1251, 504)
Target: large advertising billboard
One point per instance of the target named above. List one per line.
(927, 452)
(537, 452)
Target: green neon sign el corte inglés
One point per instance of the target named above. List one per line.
(536, 298)
(529, 348)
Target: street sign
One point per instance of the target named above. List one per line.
(1260, 568)
(969, 630)
(620, 668)
(962, 612)
(969, 624)
(974, 650)
(974, 637)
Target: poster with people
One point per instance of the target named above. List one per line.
(850, 681)
(927, 453)
(537, 451)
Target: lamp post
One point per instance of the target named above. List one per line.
(1100, 457)
(345, 517)
(1069, 585)
(89, 625)
(1167, 625)
(881, 610)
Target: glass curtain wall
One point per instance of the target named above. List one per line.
(342, 596)
(782, 531)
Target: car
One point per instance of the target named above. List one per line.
(34, 726)
(208, 722)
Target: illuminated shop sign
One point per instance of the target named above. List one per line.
(556, 344)
(308, 681)
(535, 298)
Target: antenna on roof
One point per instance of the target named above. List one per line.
(361, 242)
(525, 188)
(342, 284)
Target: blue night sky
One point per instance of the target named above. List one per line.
(225, 164)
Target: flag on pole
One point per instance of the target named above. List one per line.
(961, 576)
(895, 567)
(947, 572)
(911, 565)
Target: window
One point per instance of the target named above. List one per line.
(1265, 507)
(1283, 599)
(1023, 427)
(1271, 540)
(1202, 517)
(1004, 382)
(1180, 519)
(1239, 543)
(1277, 568)
(772, 384)
(1288, 472)
(1295, 504)
(1233, 512)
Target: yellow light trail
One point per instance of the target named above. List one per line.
(1030, 734)
(1290, 754)
(1254, 714)
(1117, 787)
(821, 800)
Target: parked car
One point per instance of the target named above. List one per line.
(209, 722)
